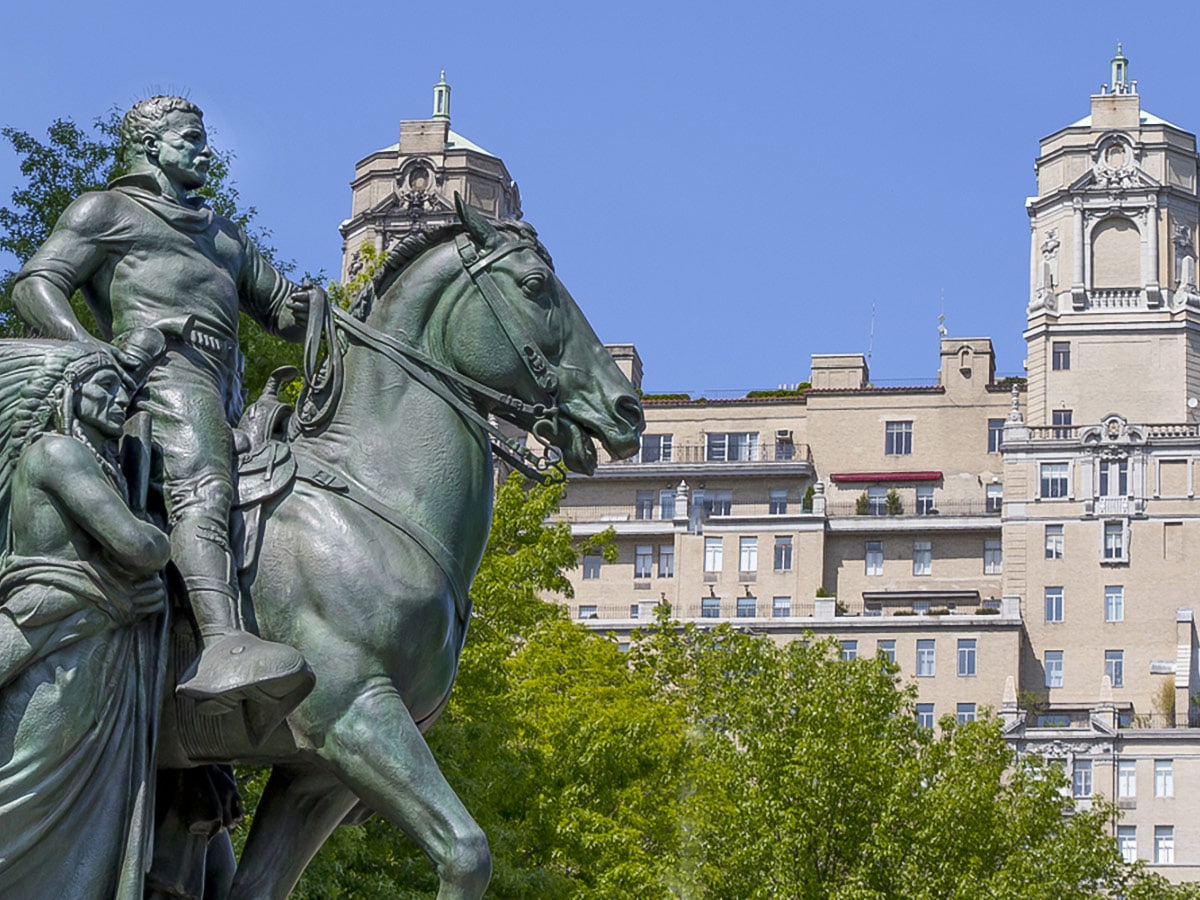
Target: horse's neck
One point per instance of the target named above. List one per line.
(403, 443)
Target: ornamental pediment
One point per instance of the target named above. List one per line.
(1114, 434)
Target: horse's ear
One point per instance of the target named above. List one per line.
(483, 232)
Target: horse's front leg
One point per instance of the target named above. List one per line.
(299, 809)
(376, 749)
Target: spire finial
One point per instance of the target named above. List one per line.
(1120, 73)
(441, 98)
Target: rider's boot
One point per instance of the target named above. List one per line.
(236, 666)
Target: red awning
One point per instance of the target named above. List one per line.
(858, 477)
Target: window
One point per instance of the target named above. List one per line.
(666, 561)
(718, 503)
(995, 434)
(1114, 667)
(849, 650)
(993, 556)
(591, 566)
(925, 715)
(656, 447)
(588, 611)
(635, 610)
(966, 657)
(886, 649)
(731, 447)
(922, 557)
(1054, 604)
(710, 608)
(1054, 542)
(898, 438)
(1054, 480)
(783, 552)
(874, 556)
(748, 554)
(877, 501)
(1127, 842)
(1081, 779)
(666, 504)
(920, 607)
(784, 449)
(926, 667)
(713, 550)
(1114, 603)
(965, 712)
(1164, 778)
(645, 505)
(925, 505)
(1164, 843)
(643, 561)
(777, 505)
(781, 607)
(993, 497)
(1061, 420)
(1114, 541)
(747, 607)
(1054, 668)
(1060, 356)
(1126, 779)
(1114, 478)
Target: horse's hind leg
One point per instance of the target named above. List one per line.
(299, 809)
(378, 751)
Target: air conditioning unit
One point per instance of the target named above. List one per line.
(783, 434)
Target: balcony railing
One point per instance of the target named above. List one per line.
(1115, 298)
(1185, 430)
(1054, 432)
(724, 609)
(688, 454)
(941, 509)
(631, 512)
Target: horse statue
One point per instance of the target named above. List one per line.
(364, 563)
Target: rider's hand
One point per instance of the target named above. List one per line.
(301, 301)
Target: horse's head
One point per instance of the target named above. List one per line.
(516, 328)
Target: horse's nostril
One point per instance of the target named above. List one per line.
(629, 409)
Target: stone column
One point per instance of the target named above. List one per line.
(1152, 295)
(1078, 293)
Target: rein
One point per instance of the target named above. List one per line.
(436, 376)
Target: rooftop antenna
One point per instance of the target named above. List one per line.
(871, 336)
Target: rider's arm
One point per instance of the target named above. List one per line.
(71, 255)
(266, 296)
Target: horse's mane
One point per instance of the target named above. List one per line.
(401, 254)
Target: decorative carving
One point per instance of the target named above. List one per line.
(1115, 164)
(1114, 437)
(1185, 257)
(1048, 274)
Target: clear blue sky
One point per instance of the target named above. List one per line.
(730, 186)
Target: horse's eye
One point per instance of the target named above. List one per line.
(533, 283)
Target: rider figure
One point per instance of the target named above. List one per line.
(146, 254)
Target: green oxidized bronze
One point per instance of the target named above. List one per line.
(339, 603)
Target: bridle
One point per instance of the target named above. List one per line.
(325, 378)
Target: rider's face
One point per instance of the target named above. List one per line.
(101, 402)
(181, 147)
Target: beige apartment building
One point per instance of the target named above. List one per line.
(1027, 545)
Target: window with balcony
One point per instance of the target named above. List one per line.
(849, 650)
(643, 561)
(713, 552)
(886, 648)
(925, 505)
(1114, 603)
(666, 561)
(966, 657)
(657, 447)
(710, 607)
(897, 438)
(1164, 844)
(1054, 480)
(645, 505)
(993, 498)
(1060, 356)
(747, 554)
(588, 611)
(1114, 667)
(781, 607)
(877, 501)
(922, 558)
(925, 715)
(1164, 778)
(731, 446)
(995, 435)
(1114, 542)
(965, 712)
(926, 661)
(1114, 478)
(1081, 779)
(591, 566)
(1127, 842)
(747, 607)
(993, 556)
(1054, 604)
(777, 505)
(874, 557)
(1061, 420)
(1054, 542)
(1053, 662)
(666, 504)
(783, 553)
(1126, 779)
(718, 503)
